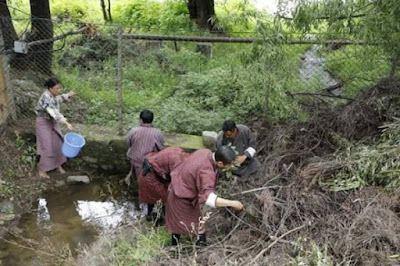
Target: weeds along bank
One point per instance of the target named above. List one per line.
(187, 91)
(299, 218)
(335, 202)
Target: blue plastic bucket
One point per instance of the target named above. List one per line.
(72, 145)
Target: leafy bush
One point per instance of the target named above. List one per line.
(75, 10)
(28, 152)
(151, 15)
(179, 116)
(237, 16)
(174, 17)
(376, 164)
(187, 91)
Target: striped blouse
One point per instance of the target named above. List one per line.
(48, 106)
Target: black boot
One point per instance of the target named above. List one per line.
(149, 216)
(175, 239)
(201, 240)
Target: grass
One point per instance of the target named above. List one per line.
(128, 246)
(358, 67)
(188, 92)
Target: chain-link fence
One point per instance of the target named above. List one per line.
(183, 80)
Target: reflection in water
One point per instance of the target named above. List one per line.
(106, 215)
(72, 216)
(43, 216)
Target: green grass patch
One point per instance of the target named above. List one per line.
(128, 246)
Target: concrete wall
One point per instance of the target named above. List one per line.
(105, 151)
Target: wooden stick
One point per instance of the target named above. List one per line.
(318, 94)
(276, 241)
(254, 190)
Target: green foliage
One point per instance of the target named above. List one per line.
(315, 256)
(137, 248)
(349, 65)
(151, 15)
(376, 164)
(188, 92)
(6, 189)
(28, 152)
(370, 21)
(274, 69)
(237, 16)
(74, 10)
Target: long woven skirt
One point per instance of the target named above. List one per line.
(49, 141)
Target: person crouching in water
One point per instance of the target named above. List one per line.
(193, 183)
(49, 138)
(155, 177)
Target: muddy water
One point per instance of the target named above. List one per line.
(69, 217)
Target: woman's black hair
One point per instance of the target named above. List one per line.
(51, 82)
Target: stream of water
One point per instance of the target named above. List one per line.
(73, 215)
(313, 70)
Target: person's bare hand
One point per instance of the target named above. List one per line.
(69, 126)
(237, 205)
(71, 94)
(240, 159)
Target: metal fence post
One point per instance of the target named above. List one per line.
(119, 81)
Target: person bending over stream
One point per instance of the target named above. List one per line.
(193, 183)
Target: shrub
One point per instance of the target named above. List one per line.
(74, 10)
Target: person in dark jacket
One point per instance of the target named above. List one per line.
(242, 139)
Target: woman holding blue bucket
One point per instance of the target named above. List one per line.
(49, 138)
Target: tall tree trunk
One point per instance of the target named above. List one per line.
(103, 10)
(7, 27)
(41, 55)
(109, 10)
(201, 12)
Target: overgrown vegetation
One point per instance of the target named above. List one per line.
(131, 245)
(190, 92)
(372, 164)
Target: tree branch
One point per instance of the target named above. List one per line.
(292, 94)
(276, 241)
(71, 32)
(327, 17)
